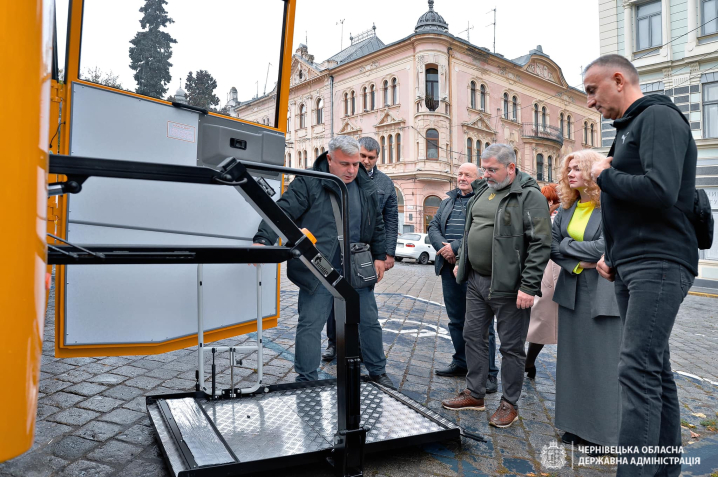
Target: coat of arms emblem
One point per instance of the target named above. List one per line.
(553, 456)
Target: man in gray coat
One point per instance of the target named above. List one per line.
(386, 193)
(446, 231)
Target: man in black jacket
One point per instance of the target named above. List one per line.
(651, 251)
(369, 154)
(307, 201)
(446, 231)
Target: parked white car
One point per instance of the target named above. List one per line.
(416, 246)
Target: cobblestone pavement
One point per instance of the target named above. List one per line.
(92, 419)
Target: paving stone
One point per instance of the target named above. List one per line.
(86, 389)
(97, 368)
(137, 404)
(162, 373)
(143, 382)
(72, 448)
(47, 431)
(115, 453)
(98, 430)
(33, 464)
(129, 371)
(85, 468)
(138, 435)
(73, 416)
(122, 416)
(44, 410)
(107, 378)
(115, 361)
(143, 468)
(74, 376)
(78, 361)
(52, 385)
(62, 399)
(100, 403)
(146, 364)
(123, 392)
(57, 367)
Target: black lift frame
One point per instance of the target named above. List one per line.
(349, 441)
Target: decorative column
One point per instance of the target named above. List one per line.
(667, 29)
(628, 30)
(692, 26)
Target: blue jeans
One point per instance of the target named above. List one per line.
(313, 312)
(649, 293)
(455, 302)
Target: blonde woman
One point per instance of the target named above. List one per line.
(589, 328)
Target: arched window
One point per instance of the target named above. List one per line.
(354, 109)
(394, 93)
(543, 118)
(365, 98)
(289, 160)
(399, 202)
(515, 108)
(306, 163)
(516, 153)
(568, 127)
(398, 147)
(320, 111)
(302, 116)
(592, 134)
(536, 123)
(482, 99)
(383, 150)
(322, 150)
(431, 206)
(560, 123)
(486, 145)
(506, 105)
(469, 149)
(432, 144)
(372, 99)
(289, 122)
(478, 152)
(472, 98)
(346, 104)
(549, 168)
(316, 152)
(386, 93)
(391, 148)
(539, 167)
(585, 133)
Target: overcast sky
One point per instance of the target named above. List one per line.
(236, 40)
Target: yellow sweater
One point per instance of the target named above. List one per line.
(578, 223)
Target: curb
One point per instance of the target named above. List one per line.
(707, 295)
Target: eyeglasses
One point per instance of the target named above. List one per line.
(488, 169)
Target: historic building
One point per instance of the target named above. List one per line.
(674, 46)
(433, 101)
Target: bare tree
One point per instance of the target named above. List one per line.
(96, 75)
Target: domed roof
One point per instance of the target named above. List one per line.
(431, 20)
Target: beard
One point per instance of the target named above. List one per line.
(498, 185)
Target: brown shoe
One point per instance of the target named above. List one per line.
(463, 402)
(504, 416)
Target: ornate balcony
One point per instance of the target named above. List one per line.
(538, 131)
(432, 103)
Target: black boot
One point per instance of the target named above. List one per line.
(531, 355)
(330, 353)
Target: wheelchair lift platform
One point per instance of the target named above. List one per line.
(240, 431)
(288, 425)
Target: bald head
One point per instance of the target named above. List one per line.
(466, 174)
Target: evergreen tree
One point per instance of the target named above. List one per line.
(200, 90)
(151, 50)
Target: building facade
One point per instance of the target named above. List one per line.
(433, 101)
(674, 46)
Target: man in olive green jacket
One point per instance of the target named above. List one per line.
(506, 245)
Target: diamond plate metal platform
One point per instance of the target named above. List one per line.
(288, 424)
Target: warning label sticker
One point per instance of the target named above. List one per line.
(183, 132)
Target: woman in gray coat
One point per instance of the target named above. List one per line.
(589, 329)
